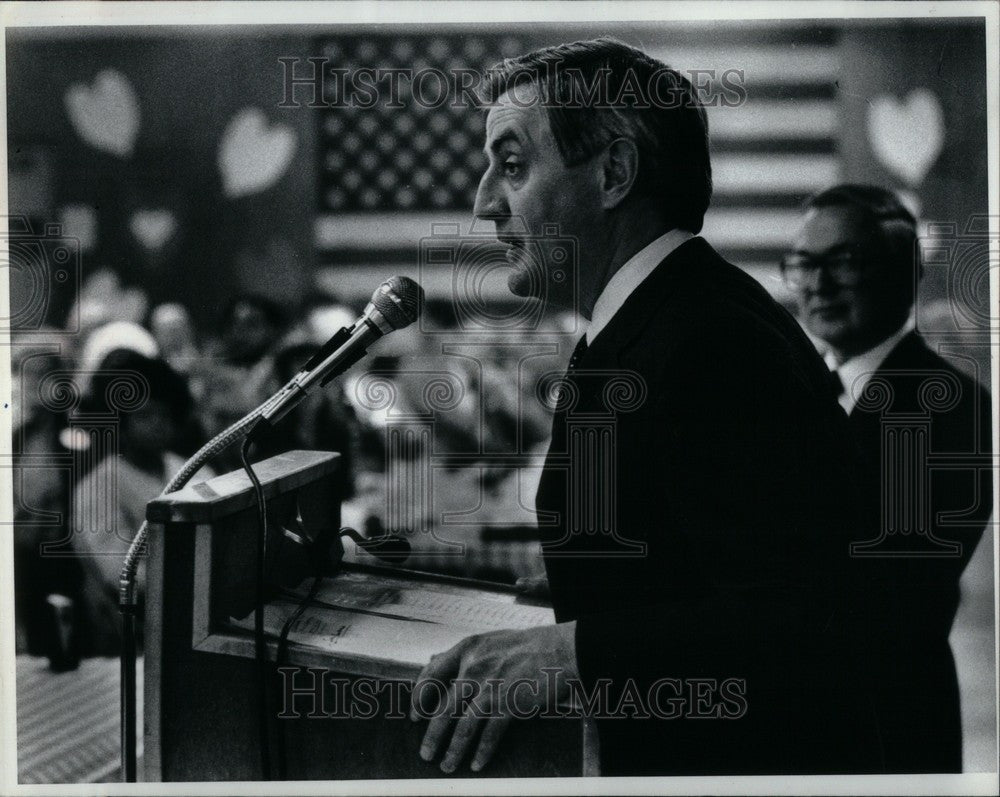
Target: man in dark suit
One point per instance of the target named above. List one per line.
(697, 501)
(854, 271)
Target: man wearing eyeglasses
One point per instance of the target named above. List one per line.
(854, 273)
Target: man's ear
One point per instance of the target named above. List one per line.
(620, 167)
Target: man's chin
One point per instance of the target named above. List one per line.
(829, 326)
(834, 336)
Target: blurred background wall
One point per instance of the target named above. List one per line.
(117, 137)
(329, 197)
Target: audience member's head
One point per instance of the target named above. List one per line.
(150, 401)
(252, 324)
(107, 338)
(854, 267)
(173, 331)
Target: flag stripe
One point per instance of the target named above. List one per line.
(755, 119)
(784, 65)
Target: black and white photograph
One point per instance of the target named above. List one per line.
(499, 397)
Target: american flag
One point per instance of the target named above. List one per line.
(392, 171)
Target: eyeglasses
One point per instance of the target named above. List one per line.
(845, 269)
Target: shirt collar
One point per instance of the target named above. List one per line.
(856, 372)
(624, 281)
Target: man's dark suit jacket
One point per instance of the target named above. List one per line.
(913, 599)
(735, 472)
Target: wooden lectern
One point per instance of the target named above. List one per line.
(366, 623)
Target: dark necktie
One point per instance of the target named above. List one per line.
(578, 353)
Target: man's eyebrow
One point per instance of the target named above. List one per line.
(504, 138)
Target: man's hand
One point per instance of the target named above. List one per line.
(486, 680)
(535, 586)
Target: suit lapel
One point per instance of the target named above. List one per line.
(644, 302)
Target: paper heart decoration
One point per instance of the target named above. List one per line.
(105, 114)
(153, 228)
(253, 154)
(80, 222)
(907, 136)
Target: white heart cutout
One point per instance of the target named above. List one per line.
(907, 137)
(254, 154)
(105, 114)
(80, 222)
(153, 228)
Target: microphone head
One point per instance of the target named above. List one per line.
(399, 301)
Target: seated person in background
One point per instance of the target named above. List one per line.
(237, 372)
(853, 273)
(109, 503)
(324, 421)
(40, 491)
(171, 326)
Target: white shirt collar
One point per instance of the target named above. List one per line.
(856, 372)
(624, 281)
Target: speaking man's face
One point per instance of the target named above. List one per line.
(847, 295)
(527, 191)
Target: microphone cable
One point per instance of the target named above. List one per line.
(259, 640)
(280, 658)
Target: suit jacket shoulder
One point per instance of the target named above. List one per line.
(914, 378)
(696, 305)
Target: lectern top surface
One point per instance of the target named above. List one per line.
(387, 623)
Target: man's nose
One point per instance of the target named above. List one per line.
(816, 280)
(490, 203)
(823, 282)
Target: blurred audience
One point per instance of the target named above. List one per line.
(323, 421)
(152, 410)
(174, 334)
(323, 318)
(103, 339)
(41, 488)
(93, 499)
(237, 372)
(104, 299)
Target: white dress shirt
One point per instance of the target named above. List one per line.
(856, 372)
(624, 281)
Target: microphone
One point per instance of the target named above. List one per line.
(395, 304)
